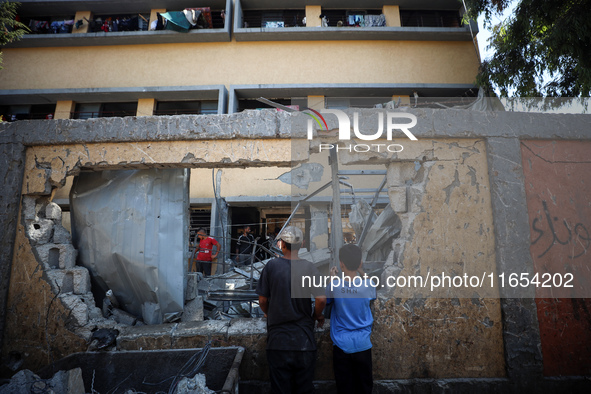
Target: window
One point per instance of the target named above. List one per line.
(20, 112)
(104, 110)
(50, 24)
(430, 18)
(114, 23)
(273, 19)
(354, 18)
(186, 107)
(254, 104)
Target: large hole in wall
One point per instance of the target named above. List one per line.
(247, 197)
(224, 219)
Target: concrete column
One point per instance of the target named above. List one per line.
(146, 107)
(392, 14)
(64, 109)
(521, 330)
(153, 15)
(313, 15)
(316, 102)
(84, 27)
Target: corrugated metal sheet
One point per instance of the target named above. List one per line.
(131, 232)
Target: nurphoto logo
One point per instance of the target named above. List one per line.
(390, 124)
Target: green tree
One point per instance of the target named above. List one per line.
(10, 29)
(542, 49)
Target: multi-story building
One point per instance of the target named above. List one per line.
(87, 59)
(240, 51)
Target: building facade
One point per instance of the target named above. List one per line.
(94, 89)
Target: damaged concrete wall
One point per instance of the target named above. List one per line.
(11, 174)
(468, 162)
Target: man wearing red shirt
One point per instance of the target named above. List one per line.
(204, 252)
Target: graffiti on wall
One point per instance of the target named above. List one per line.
(558, 191)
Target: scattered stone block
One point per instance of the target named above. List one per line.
(78, 308)
(73, 281)
(195, 385)
(61, 235)
(81, 280)
(63, 382)
(57, 256)
(39, 231)
(68, 382)
(21, 383)
(122, 317)
(53, 212)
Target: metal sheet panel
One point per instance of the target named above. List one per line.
(131, 231)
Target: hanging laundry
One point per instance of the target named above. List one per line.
(375, 20)
(62, 27)
(176, 21)
(203, 19)
(192, 15)
(39, 27)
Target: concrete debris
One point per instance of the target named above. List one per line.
(193, 310)
(361, 213)
(79, 310)
(63, 382)
(191, 291)
(151, 313)
(318, 257)
(122, 317)
(196, 385)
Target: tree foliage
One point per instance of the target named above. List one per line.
(10, 29)
(542, 49)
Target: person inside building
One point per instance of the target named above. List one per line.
(202, 256)
(350, 324)
(291, 346)
(244, 247)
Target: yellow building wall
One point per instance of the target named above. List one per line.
(234, 62)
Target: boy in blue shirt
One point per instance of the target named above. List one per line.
(350, 324)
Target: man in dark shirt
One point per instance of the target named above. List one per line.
(291, 347)
(244, 247)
